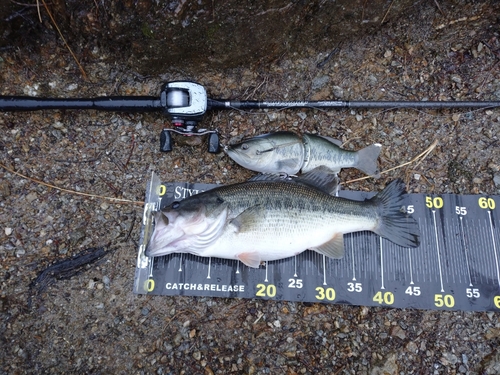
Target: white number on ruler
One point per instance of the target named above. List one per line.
(413, 290)
(472, 293)
(354, 287)
(461, 210)
(295, 283)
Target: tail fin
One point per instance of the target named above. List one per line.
(367, 160)
(394, 224)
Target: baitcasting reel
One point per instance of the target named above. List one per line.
(185, 103)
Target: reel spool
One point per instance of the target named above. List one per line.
(185, 103)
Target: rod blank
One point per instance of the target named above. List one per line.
(229, 104)
(116, 103)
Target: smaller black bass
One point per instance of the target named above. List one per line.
(267, 219)
(286, 152)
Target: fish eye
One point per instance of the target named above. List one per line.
(175, 205)
(244, 146)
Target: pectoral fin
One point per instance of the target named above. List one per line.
(332, 249)
(248, 219)
(289, 166)
(250, 259)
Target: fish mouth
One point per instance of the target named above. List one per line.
(163, 234)
(237, 156)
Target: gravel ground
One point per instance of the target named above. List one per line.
(93, 323)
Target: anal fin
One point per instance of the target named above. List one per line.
(250, 259)
(332, 249)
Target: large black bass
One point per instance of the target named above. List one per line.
(269, 218)
(286, 152)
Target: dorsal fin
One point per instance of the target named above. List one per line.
(271, 177)
(322, 178)
(336, 142)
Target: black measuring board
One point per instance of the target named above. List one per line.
(456, 266)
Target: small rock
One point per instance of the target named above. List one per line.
(4, 188)
(319, 82)
(398, 332)
(8, 231)
(76, 236)
(450, 358)
(31, 197)
(106, 280)
(390, 366)
(412, 347)
(496, 180)
(465, 359)
(338, 92)
(372, 79)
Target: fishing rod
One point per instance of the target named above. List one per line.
(186, 102)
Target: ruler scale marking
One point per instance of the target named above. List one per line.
(494, 247)
(462, 230)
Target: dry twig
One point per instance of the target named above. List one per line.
(418, 158)
(114, 200)
(62, 37)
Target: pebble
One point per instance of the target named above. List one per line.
(8, 231)
(319, 82)
(31, 197)
(338, 92)
(58, 125)
(449, 358)
(496, 180)
(106, 280)
(20, 252)
(398, 332)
